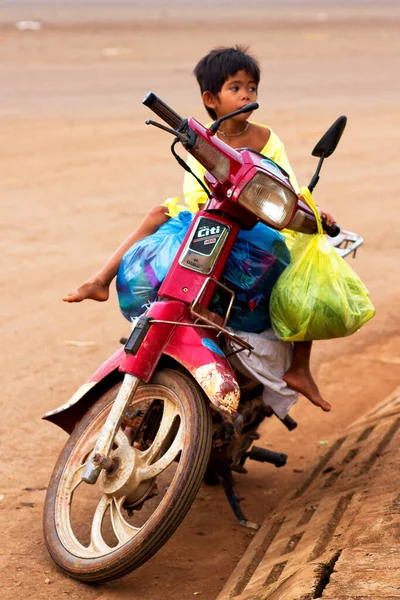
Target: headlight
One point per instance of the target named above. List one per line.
(272, 202)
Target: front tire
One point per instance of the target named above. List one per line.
(102, 532)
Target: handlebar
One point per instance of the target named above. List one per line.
(162, 110)
(331, 230)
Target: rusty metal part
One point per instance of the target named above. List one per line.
(102, 461)
(109, 431)
(203, 314)
(181, 324)
(220, 387)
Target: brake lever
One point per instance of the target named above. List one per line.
(181, 136)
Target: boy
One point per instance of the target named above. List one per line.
(228, 80)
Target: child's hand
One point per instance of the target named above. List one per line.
(92, 289)
(330, 220)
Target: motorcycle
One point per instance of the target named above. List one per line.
(168, 410)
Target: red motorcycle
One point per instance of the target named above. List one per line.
(143, 426)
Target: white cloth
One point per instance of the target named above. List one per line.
(267, 363)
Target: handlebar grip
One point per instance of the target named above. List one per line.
(331, 230)
(162, 110)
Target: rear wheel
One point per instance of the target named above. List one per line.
(101, 532)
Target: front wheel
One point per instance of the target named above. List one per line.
(101, 532)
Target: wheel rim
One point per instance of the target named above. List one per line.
(124, 503)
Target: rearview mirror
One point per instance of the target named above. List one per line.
(327, 144)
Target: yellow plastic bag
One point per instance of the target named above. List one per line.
(318, 296)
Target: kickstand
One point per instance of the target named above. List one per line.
(234, 501)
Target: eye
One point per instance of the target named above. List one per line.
(234, 88)
(253, 88)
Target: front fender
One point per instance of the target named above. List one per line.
(191, 347)
(67, 415)
(205, 361)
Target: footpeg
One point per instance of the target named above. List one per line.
(289, 422)
(263, 455)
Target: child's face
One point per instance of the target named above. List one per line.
(238, 90)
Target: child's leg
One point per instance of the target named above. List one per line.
(97, 286)
(299, 377)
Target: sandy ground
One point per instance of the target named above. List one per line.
(79, 169)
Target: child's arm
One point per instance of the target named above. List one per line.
(97, 286)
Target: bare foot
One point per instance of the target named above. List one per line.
(90, 290)
(302, 381)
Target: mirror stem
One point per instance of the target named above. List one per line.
(315, 177)
(248, 108)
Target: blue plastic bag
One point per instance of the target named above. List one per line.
(145, 265)
(257, 259)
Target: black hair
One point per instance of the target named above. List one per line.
(214, 69)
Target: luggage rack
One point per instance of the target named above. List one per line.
(347, 242)
(219, 323)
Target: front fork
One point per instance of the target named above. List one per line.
(98, 459)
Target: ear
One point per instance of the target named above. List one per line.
(209, 100)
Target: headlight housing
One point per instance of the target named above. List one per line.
(212, 159)
(269, 200)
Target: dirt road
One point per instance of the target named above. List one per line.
(79, 169)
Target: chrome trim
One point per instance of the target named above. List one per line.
(347, 242)
(220, 328)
